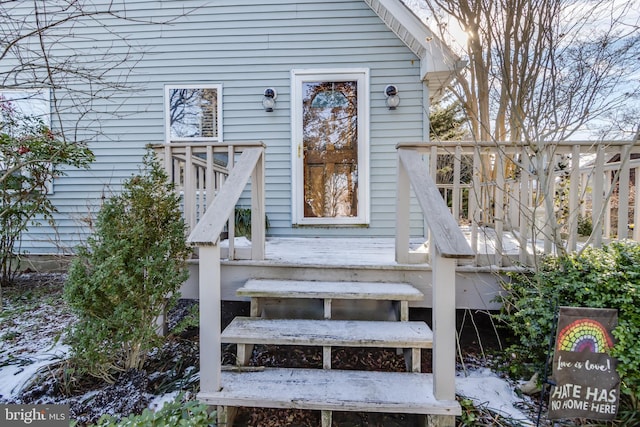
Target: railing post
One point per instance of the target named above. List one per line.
(189, 189)
(258, 225)
(550, 226)
(475, 195)
(606, 228)
(444, 327)
(433, 172)
(402, 214)
(210, 187)
(498, 208)
(623, 192)
(231, 223)
(636, 205)
(574, 195)
(168, 162)
(456, 195)
(525, 207)
(597, 210)
(210, 341)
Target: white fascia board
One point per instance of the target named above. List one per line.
(438, 63)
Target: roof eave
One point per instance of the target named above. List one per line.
(438, 63)
(438, 80)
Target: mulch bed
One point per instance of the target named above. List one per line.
(175, 366)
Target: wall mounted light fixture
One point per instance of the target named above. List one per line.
(393, 100)
(269, 99)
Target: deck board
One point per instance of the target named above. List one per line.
(332, 390)
(362, 259)
(331, 251)
(368, 251)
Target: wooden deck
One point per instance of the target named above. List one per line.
(357, 259)
(327, 251)
(495, 213)
(456, 269)
(311, 263)
(374, 251)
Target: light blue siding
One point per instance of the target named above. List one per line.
(246, 46)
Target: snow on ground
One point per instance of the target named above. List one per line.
(158, 402)
(31, 330)
(15, 376)
(482, 386)
(488, 390)
(31, 326)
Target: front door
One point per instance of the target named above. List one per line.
(328, 148)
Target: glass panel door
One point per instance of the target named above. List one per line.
(330, 147)
(330, 137)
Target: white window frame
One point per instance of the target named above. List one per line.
(298, 77)
(43, 95)
(167, 116)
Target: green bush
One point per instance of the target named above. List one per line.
(243, 222)
(31, 155)
(585, 226)
(179, 412)
(127, 275)
(601, 278)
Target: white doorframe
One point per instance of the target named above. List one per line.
(298, 77)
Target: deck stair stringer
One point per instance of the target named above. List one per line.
(327, 389)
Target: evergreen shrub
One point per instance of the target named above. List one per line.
(127, 275)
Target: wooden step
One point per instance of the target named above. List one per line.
(322, 290)
(410, 336)
(331, 390)
(347, 333)
(259, 289)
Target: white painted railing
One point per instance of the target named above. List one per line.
(198, 171)
(447, 245)
(500, 189)
(249, 167)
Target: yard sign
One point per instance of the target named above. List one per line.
(586, 382)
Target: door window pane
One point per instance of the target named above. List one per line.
(330, 144)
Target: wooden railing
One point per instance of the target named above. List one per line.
(249, 167)
(198, 171)
(503, 189)
(447, 245)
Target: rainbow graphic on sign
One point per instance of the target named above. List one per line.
(584, 335)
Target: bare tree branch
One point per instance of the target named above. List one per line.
(543, 69)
